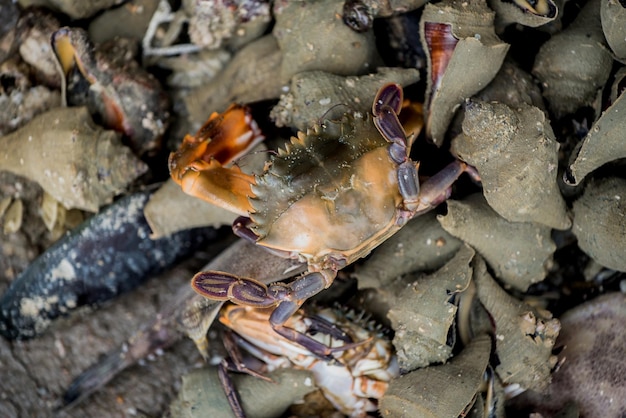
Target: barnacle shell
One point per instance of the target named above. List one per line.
(421, 312)
(524, 12)
(516, 155)
(314, 95)
(613, 17)
(604, 143)
(201, 394)
(574, 65)
(440, 391)
(518, 252)
(464, 54)
(85, 165)
(421, 245)
(600, 224)
(524, 335)
(334, 47)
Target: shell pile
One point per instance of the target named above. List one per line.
(528, 92)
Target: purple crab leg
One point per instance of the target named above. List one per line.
(222, 286)
(390, 95)
(230, 391)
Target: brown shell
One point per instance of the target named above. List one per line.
(337, 178)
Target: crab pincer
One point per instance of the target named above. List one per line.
(328, 198)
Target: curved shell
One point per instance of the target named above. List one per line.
(525, 336)
(613, 17)
(464, 55)
(575, 64)
(87, 165)
(518, 252)
(419, 393)
(337, 178)
(516, 155)
(604, 142)
(599, 222)
(526, 13)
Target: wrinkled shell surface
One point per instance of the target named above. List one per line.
(314, 95)
(524, 336)
(517, 251)
(516, 155)
(573, 80)
(600, 222)
(418, 394)
(421, 245)
(604, 142)
(85, 168)
(421, 312)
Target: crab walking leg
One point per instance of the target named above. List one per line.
(286, 297)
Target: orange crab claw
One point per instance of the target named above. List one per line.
(200, 164)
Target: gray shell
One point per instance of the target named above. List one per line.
(86, 166)
(604, 142)
(518, 252)
(573, 80)
(600, 224)
(525, 336)
(516, 155)
(613, 15)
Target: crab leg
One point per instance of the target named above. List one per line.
(288, 299)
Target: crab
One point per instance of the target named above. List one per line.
(353, 382)
(328, 198)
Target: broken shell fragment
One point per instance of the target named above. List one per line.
(123, 95)
(463, 55)
(516, 154)
(85, 166)
(613, 17)
(335, 48)
(420, 393)
(603, 143)
(600, 224)
(13, 216)
(531, 13)
(421, 245)
(575, 64)
(524, 336)
(518, 252)
(315, 95)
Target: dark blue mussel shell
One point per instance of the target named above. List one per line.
(109, 254)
